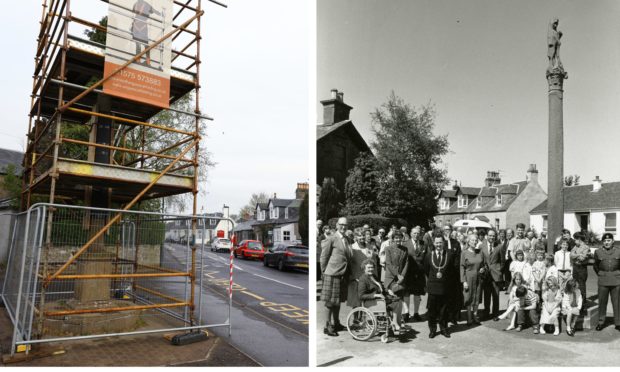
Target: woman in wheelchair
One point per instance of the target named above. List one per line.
(379, 301)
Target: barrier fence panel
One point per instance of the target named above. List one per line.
(71, 276)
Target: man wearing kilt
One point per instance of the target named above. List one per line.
(335, 258)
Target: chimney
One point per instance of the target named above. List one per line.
(532, 174)
(334, 109)
(492, 179)
(596, 184)
(301, 191)
(275, 196)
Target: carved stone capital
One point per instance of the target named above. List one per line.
(555, 78)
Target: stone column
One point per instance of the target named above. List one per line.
(555, 182)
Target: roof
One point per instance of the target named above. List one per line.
(296, 203)
(281, 202)
(469, 190)
(279, 221)
(263, 205)
(323, 131)
(487, 195)
(582, 198)
(11, 157)
(245, 225)
(447, 193)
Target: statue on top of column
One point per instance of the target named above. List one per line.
(553, 46)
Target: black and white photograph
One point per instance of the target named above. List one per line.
(467, 185)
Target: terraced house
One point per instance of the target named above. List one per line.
(501, 205)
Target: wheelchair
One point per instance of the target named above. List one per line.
(373, 317)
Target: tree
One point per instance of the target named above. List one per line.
(328, 200)
(97, 35)
(11, 183)
(247, 212)
(304, 220)
(572, 180)
(362, 186)
(409, 156)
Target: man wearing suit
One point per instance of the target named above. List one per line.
(416, 280)
(455, 297)
(335, 258)
(494, 281)
(439, 266)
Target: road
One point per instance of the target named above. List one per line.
(270, 308)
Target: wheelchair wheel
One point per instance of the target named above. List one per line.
(361, 324)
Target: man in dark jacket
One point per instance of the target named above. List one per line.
(439, 266)
(455, 297)
(416, 280)
(494, 279)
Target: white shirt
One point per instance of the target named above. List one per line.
(384, 245)
(561, 260)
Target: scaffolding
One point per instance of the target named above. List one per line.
(67, 162)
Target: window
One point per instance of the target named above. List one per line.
(277, 235)
(286, 212)
(479, 202)
(610, 223)
(498, 199)
(545, 223)
(462, 200)
(497, 224)
(286, 235)
(444, 203)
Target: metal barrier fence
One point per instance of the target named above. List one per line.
(77, 272)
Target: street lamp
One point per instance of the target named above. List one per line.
(227, 209)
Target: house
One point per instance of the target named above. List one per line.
(7, 202)
(501, 205)
(179, 230)
(592, 208)
(338, 141)
(277, 221)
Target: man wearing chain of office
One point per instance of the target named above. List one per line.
(439, 266)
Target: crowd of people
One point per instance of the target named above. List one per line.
(462, 269)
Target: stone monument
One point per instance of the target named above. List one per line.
(555, 78)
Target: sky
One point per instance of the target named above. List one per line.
(254, 79)
(482, 65)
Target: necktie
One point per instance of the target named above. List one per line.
(563, 260)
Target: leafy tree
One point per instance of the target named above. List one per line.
(247, 212)
(328, 200)
(572, 180)
(11, 183)
(96, 34)
(362, 186)
(409, 155)
(304, 223)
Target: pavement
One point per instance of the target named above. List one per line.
(142, 350)
(484, 345)
(269, 324)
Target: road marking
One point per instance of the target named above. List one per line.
(277, 281)
(244, 307)
(253, 295)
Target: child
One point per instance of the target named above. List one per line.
(571, 305)
(514, 302)
(518, 264)
(563, 264)
(539, 269)
(552, 271)
(552, 300)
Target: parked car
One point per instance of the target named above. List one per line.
(285, 256)
(221, 244)
(249, 249)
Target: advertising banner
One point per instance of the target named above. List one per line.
(134, 25)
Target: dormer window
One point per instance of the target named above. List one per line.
(286, 212)
(498, 199)
(462, 201)
(444, 203)
(478, 202)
